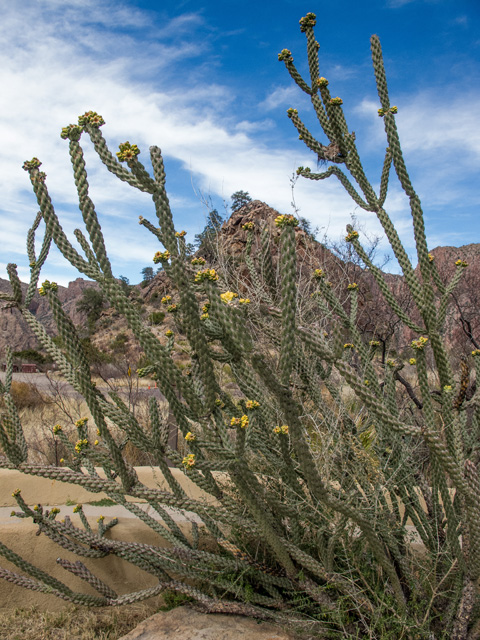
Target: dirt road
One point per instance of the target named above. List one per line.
(53, 384)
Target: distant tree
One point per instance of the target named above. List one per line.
(119, 345)
(306, 226)
(91, 304)
(148, 274)
(206, 241)
(239, 199)
(94, 356)
(31, 355)
(125, 282)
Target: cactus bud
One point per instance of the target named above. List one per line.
(189, 461)
(308, 22)
(161, 256)
(206, 274)
(29, 165)
(91, 118)
(285, 55)
(419, 344)
(228, 296)
(127, 151)
(286, 220)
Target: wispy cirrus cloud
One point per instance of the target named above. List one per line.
(151, 78)
(280, 96)
(69, 66)
(394, 4)
(441, 145)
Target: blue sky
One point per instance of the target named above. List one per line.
(202, 81)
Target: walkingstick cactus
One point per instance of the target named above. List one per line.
(329, 471)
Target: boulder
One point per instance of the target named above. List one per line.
(186, 623)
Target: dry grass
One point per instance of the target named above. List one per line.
(73, 623)
(25, 395)
(41, 410)
(38, 421)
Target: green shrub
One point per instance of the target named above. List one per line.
(31, 355)
(118, 344)
(156, 317)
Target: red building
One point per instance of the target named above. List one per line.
(28, 368)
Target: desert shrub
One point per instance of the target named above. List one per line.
(118, 344)
(31, 355)
(156, 317)
(105, 322)
(25, 395)
(315, 508)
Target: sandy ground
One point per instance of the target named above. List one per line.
(20, 535)
(53, 492)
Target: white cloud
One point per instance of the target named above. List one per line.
(57, 83)
(447, 127)
(279, 97)
(462, 20)
(341, 72)
(59, 59)
(246, 126)
(440, 138)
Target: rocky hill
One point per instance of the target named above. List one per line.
(15, 332)
(462, 325)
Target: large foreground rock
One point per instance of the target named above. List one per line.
(185, 623)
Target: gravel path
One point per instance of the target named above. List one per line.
(40, 380)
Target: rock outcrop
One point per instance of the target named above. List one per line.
(15, 332)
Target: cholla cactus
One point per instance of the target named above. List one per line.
(331, 463)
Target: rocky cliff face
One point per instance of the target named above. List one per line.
(15, 332)
(376, 321)
(462, 324)
(310, 253)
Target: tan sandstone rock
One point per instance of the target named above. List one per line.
(185, 623)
